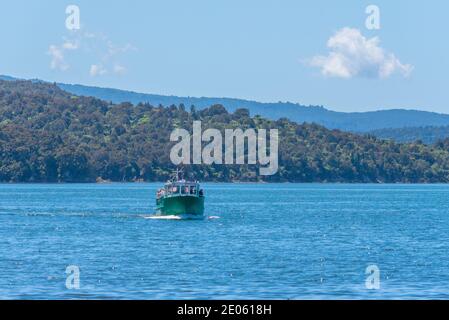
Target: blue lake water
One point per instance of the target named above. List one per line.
(266, 241)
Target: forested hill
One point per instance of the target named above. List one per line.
(427, 135)
(347, 121)
(49, 135)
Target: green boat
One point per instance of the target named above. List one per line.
(180, 198)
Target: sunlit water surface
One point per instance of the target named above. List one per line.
(267, 241)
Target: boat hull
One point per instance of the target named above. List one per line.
(180, 205)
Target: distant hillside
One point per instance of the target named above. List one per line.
(7, 78)
(355, 122)
(428, 135)
(49, 135)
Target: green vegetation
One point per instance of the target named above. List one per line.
(427, 134)
(48, 135)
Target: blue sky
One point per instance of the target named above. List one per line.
(294, 50)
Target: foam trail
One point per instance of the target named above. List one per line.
(175, 217)
(164, 217)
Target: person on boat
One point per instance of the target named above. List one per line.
(201, 193)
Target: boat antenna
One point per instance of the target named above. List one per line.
(178, 173)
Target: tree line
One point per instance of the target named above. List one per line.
(49, 135)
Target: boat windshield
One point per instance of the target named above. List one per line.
(183, 188)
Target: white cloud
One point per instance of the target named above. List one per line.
(97, 70)
(353, 55)
(98, 46)
(57, 54)
(118, 69)
(114, 50)
(69, 45)
(57, 58)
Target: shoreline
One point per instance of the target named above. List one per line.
(224, 182)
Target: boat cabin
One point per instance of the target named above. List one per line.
(181, 188)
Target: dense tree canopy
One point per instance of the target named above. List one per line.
(49, 135)
(428, 135)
